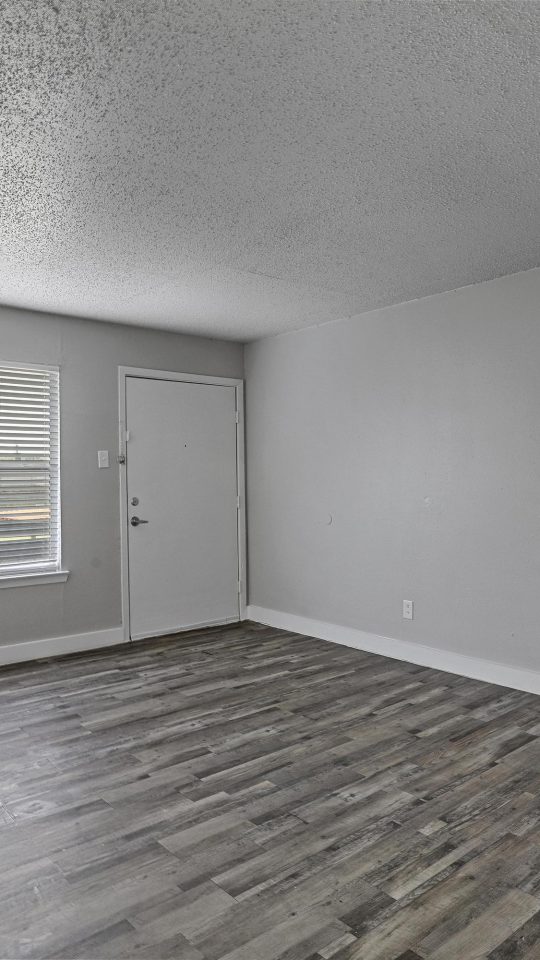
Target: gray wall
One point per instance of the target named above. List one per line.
(89, 355)
(397, 456)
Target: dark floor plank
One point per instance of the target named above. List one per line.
(244, 793)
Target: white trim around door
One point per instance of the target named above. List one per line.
(123, 374)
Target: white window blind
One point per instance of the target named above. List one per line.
(29, 468)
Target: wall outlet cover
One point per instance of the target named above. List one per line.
(408, 609)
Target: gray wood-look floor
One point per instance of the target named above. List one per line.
(248, 794)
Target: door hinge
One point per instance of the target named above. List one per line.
(237, 417)
(239, 586)
(238, 503)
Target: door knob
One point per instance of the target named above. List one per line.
(135, 521)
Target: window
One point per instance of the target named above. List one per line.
(29, 471)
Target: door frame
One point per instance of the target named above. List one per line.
(142, 373)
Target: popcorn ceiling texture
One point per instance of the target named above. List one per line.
(245, 167)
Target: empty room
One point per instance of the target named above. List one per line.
(270, 480)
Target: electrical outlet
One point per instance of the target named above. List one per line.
(408, 609)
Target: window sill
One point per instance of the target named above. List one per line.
(33, 579)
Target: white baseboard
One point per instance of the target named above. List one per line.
(477, 669)
(57, 646)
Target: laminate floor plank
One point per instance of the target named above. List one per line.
(245, 793)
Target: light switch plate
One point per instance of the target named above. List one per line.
(103, 459)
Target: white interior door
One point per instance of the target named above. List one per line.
(182, 487)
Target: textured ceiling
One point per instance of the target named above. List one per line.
(241, 167)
